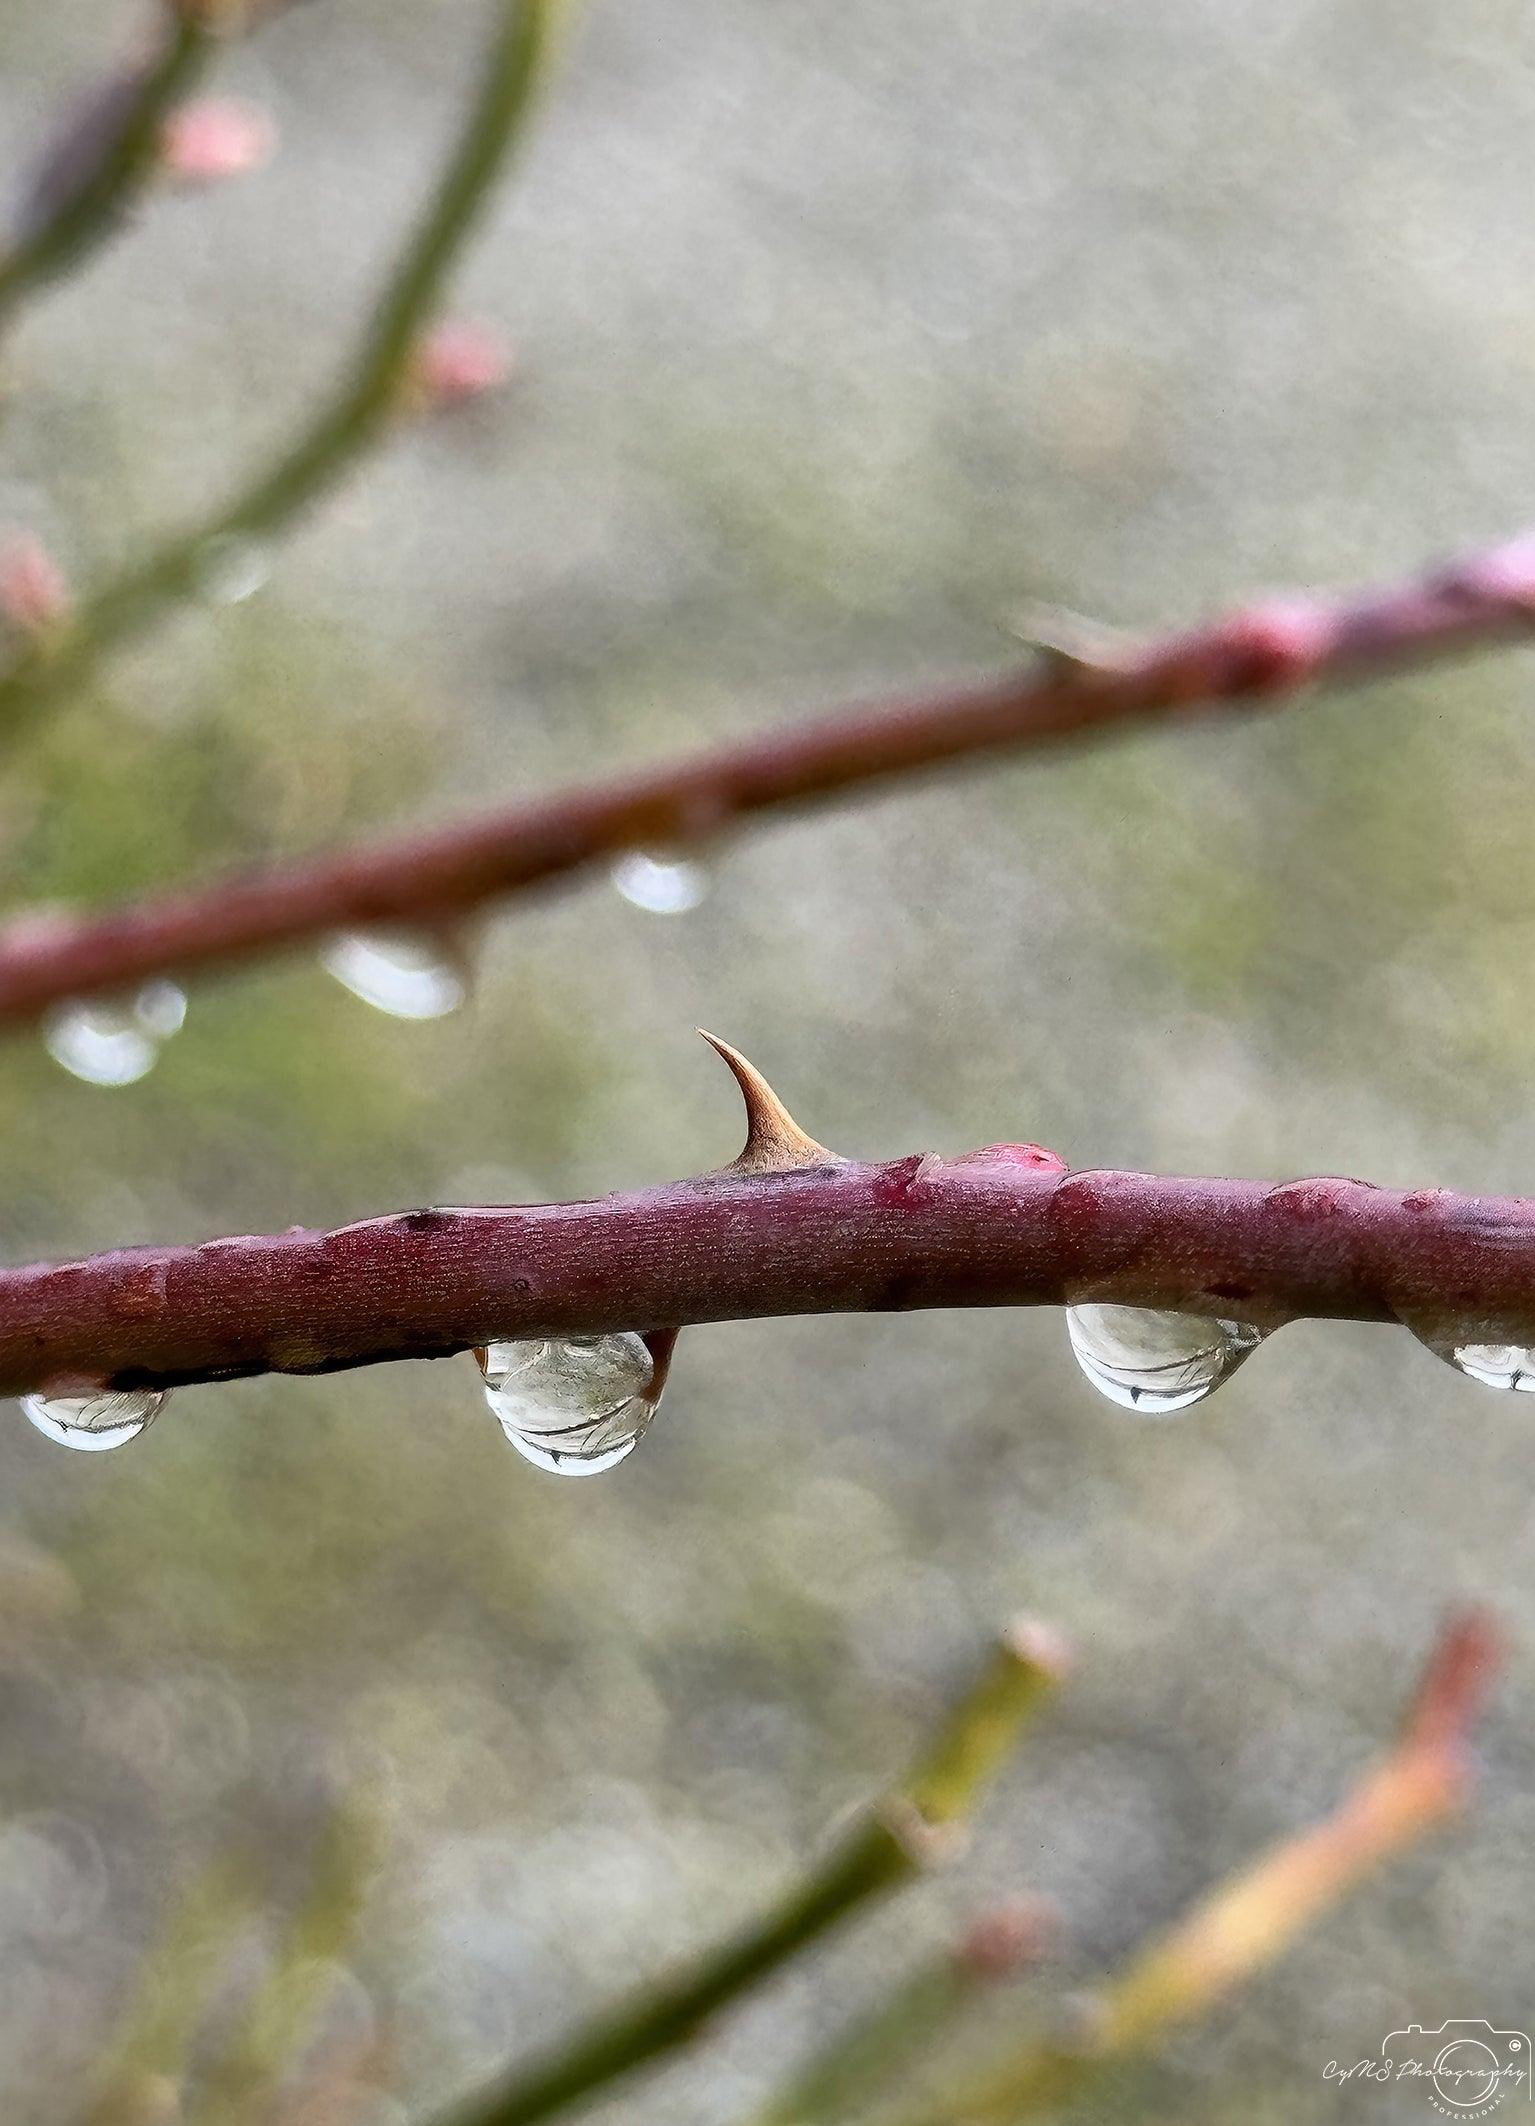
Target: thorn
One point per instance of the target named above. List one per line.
(1070, 645)
(775, 1143)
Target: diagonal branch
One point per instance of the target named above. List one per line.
(106, 149)
(428, 879)
(885, 1847)
(989, 1229)
(361, 406)
(1249, 1921)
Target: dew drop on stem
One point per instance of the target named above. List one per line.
(117, 1042)
(93, 1423)
(660, 882)
(1155, 1362)
(407, 974)
(575, 1405)
(1509, 1366)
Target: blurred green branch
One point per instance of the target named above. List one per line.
(107, 149)
(351, 420)
(916, 1825)
(1251, 1920)
(853, 2066)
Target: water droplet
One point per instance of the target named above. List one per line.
(232, 568)
(115, 1043)
(573, 1404)
(1157, 1362)
(396, 971)
(94, 1422)
(663, 885)
(1494, 1365)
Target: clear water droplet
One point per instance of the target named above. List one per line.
(232, 568)
(94, 1422)
(408, 976)
(115, 1043)
(574, 1404)
(1509, 1366)
(662, 885)
(1155, 1362)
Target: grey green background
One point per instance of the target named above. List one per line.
(842, 334)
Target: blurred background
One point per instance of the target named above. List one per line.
(840, 336)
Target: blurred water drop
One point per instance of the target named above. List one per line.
(115, 1043)
(94, 1422)
(1157, 1362)
(396, 971)
(575, 1405)
(1509, 1366)
(232, 568)
(662, 885)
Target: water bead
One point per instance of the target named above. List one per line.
(575, 1405)
(660, 884)
(1508, 1366)
(93, 1423)
(114, 1043)
(396, 971)
(1154, 1362)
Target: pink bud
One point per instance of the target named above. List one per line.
(1008, 1937)
(458, 361)
(205, 142)
(33, 592)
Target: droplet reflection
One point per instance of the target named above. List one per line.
(662, 885)
(114, 1043)
(575, 1405)
(396, 971)
(93, 1423)
(1508, 1366)
(1155, 1362)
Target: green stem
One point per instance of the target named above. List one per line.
(892, 1842)
(132, 115)
(351, 419)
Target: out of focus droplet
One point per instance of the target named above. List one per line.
(115, 1043)
(1157, 1362)
(575, 1405)
(1510, 1366)
(232, 568)
(94, 1422)
(395, 971)
(457, 361)
(662, 885)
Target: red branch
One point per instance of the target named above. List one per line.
(989, 1229)
(438, 877)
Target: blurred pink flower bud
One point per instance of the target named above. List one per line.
(458, 361)
(214, 138)
(33, 592)
(1009, 1937)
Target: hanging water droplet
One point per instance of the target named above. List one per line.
(1157, 1362)
(397, 971)
(232, 568)
(573, 1404)
(115, 1043)
(1494, 1365)
(663, 885)
(94, 1422)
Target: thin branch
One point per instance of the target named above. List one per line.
(362, 405)
(431, 879)
(888, 2043)
(980, 1231)
(1251, 1920)
(912, 1827)
(107, 148)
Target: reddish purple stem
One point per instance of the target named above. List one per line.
(438, 877)
(985, 1230)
